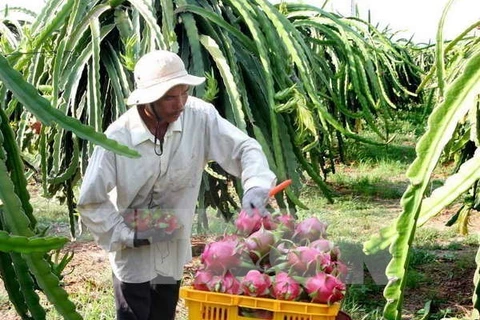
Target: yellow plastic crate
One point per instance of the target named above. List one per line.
(204, 305)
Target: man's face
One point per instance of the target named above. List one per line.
(170, 106)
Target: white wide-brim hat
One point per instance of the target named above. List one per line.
(157, 72)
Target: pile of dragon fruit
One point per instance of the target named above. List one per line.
(274, 257)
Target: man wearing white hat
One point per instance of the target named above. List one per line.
(176, 135)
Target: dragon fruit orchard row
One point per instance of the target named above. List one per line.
(274, 257)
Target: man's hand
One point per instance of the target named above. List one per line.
(151, 236)
(255, 198)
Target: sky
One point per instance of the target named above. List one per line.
(408, 18)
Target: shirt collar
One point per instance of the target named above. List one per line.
(140, 132)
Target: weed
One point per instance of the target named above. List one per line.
(415, 279)
(433, 238)
(421, 256)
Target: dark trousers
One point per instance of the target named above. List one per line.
(153, 300)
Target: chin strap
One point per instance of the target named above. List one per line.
(158, 151)
(157, 148)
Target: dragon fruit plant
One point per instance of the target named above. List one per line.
(274, 257)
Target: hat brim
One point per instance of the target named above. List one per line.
(156, 91)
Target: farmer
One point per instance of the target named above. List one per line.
(176, 135)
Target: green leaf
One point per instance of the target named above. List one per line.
(14, 164)
(51, 286)
(72, 167)
(247, 42)
(168, 25)
(196, 65)
(229, 80)
(11, 284)
(94, 104)
(83, 26)
(27, 286)
(439, 52)
(20, 244)
(41, 108)
(149, 14)
(118, 80)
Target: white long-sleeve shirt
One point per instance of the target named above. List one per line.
(113, 184)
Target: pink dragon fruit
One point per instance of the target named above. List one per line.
(256, 284)
(322, 245)
(325, 245)
(269, 222)
(285, 287)
(222, 255)
(307, 261)
(324, 288)
(260, 241)
(309, 230)
(247, 224)
(278, 254)
(225, 283)
(286, 224)
(202, 280)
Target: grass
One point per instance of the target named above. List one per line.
(367, 198)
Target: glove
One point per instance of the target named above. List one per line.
(151, 236)
(256, 198)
